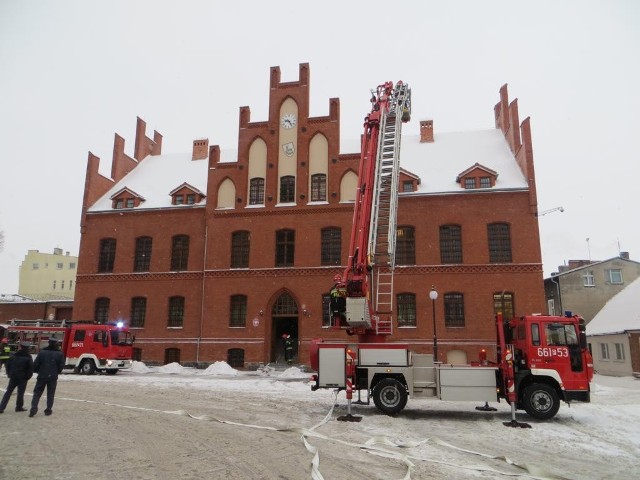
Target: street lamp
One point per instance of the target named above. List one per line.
(433, 295)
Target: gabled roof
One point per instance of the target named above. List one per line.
(476, 166)
(591, 265)
(128, 190)
(186, 185)
(620, 314)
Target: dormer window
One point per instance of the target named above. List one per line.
(186, 194)
(126, 198)
(477, 176)
(408, 181)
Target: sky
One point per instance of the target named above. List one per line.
(75, 72)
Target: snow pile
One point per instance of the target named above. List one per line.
(220, 368)
(293, 372)
(174, 367)
(139, 367)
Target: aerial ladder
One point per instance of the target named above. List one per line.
(367, 281)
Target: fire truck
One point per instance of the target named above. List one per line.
(88, 347)
(540, 359)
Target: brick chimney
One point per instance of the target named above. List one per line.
(200, 149)
(624, 255)
(426, 131)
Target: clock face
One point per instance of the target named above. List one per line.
(288, 120)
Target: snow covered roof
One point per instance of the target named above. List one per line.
(437, 164)
(620, 314)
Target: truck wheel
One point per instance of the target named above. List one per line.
(88, 367)
(541, 401)
(390, 396)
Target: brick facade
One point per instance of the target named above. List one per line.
(208, 283)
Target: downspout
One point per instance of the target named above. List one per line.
(558, 294)
(204, 265)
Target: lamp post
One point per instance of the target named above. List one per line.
(433, 295)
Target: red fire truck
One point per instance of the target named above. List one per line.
(88, 347)
(540, 359)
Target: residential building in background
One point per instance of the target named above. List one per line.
(48, 276)
(215, 254)
(584, 287)
(614, 334)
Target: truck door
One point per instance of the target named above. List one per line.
(561, 351)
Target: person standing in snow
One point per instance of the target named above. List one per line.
(48, 365)
(19, 370)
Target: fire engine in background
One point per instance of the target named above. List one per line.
(88, 347)
(540, 359)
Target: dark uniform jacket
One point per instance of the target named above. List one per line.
(49, 363)
(20, 366)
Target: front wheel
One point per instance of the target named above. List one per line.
(541, 401)
(390, 396)
(87, 367)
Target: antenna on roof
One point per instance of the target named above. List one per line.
(588, 249)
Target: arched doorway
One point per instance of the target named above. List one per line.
(284, 317)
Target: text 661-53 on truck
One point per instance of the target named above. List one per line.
(88, 347)
(540, 359)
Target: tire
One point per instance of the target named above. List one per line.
(87, 367)
(111, 371)
(390, 396)
(541, 401)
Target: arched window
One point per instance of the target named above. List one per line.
(256, 191)
(101, 311)
(318, 187)
(142, 259)
(107, 255)
(330, 246)
(240, 249)
(287, 189)
(179, 252)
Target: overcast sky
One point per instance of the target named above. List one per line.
(73, 73)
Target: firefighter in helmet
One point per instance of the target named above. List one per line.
(288, 348)
(338, 302)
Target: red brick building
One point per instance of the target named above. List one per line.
(213, 255)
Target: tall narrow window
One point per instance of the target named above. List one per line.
(101, 311)
(240, 249)
(405, 246)
(503, 303)
(179, 252)
(256, 191)
(454, 309)
(331, 241)
(318, 187)
(285, 248)
(107, 255)
(176, 312)
(238, 311)
(406, 309)
(138, 311)
(142, 258)
(451, 244)
(499, 236)
(288, 189)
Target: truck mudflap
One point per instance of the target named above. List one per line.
(577, 396)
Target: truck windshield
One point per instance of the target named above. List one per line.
(119, 337)
(559, 334)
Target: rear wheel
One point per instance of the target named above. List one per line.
(88, 367)
(390, 396)
(541, 401)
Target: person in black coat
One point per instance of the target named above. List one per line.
(48, 365)
(19, 370)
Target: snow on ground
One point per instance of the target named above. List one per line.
(179, 422)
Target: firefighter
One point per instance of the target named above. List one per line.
(288, 348)
(20, 370)
(338, 302)
(5, 353)
(48, 365)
